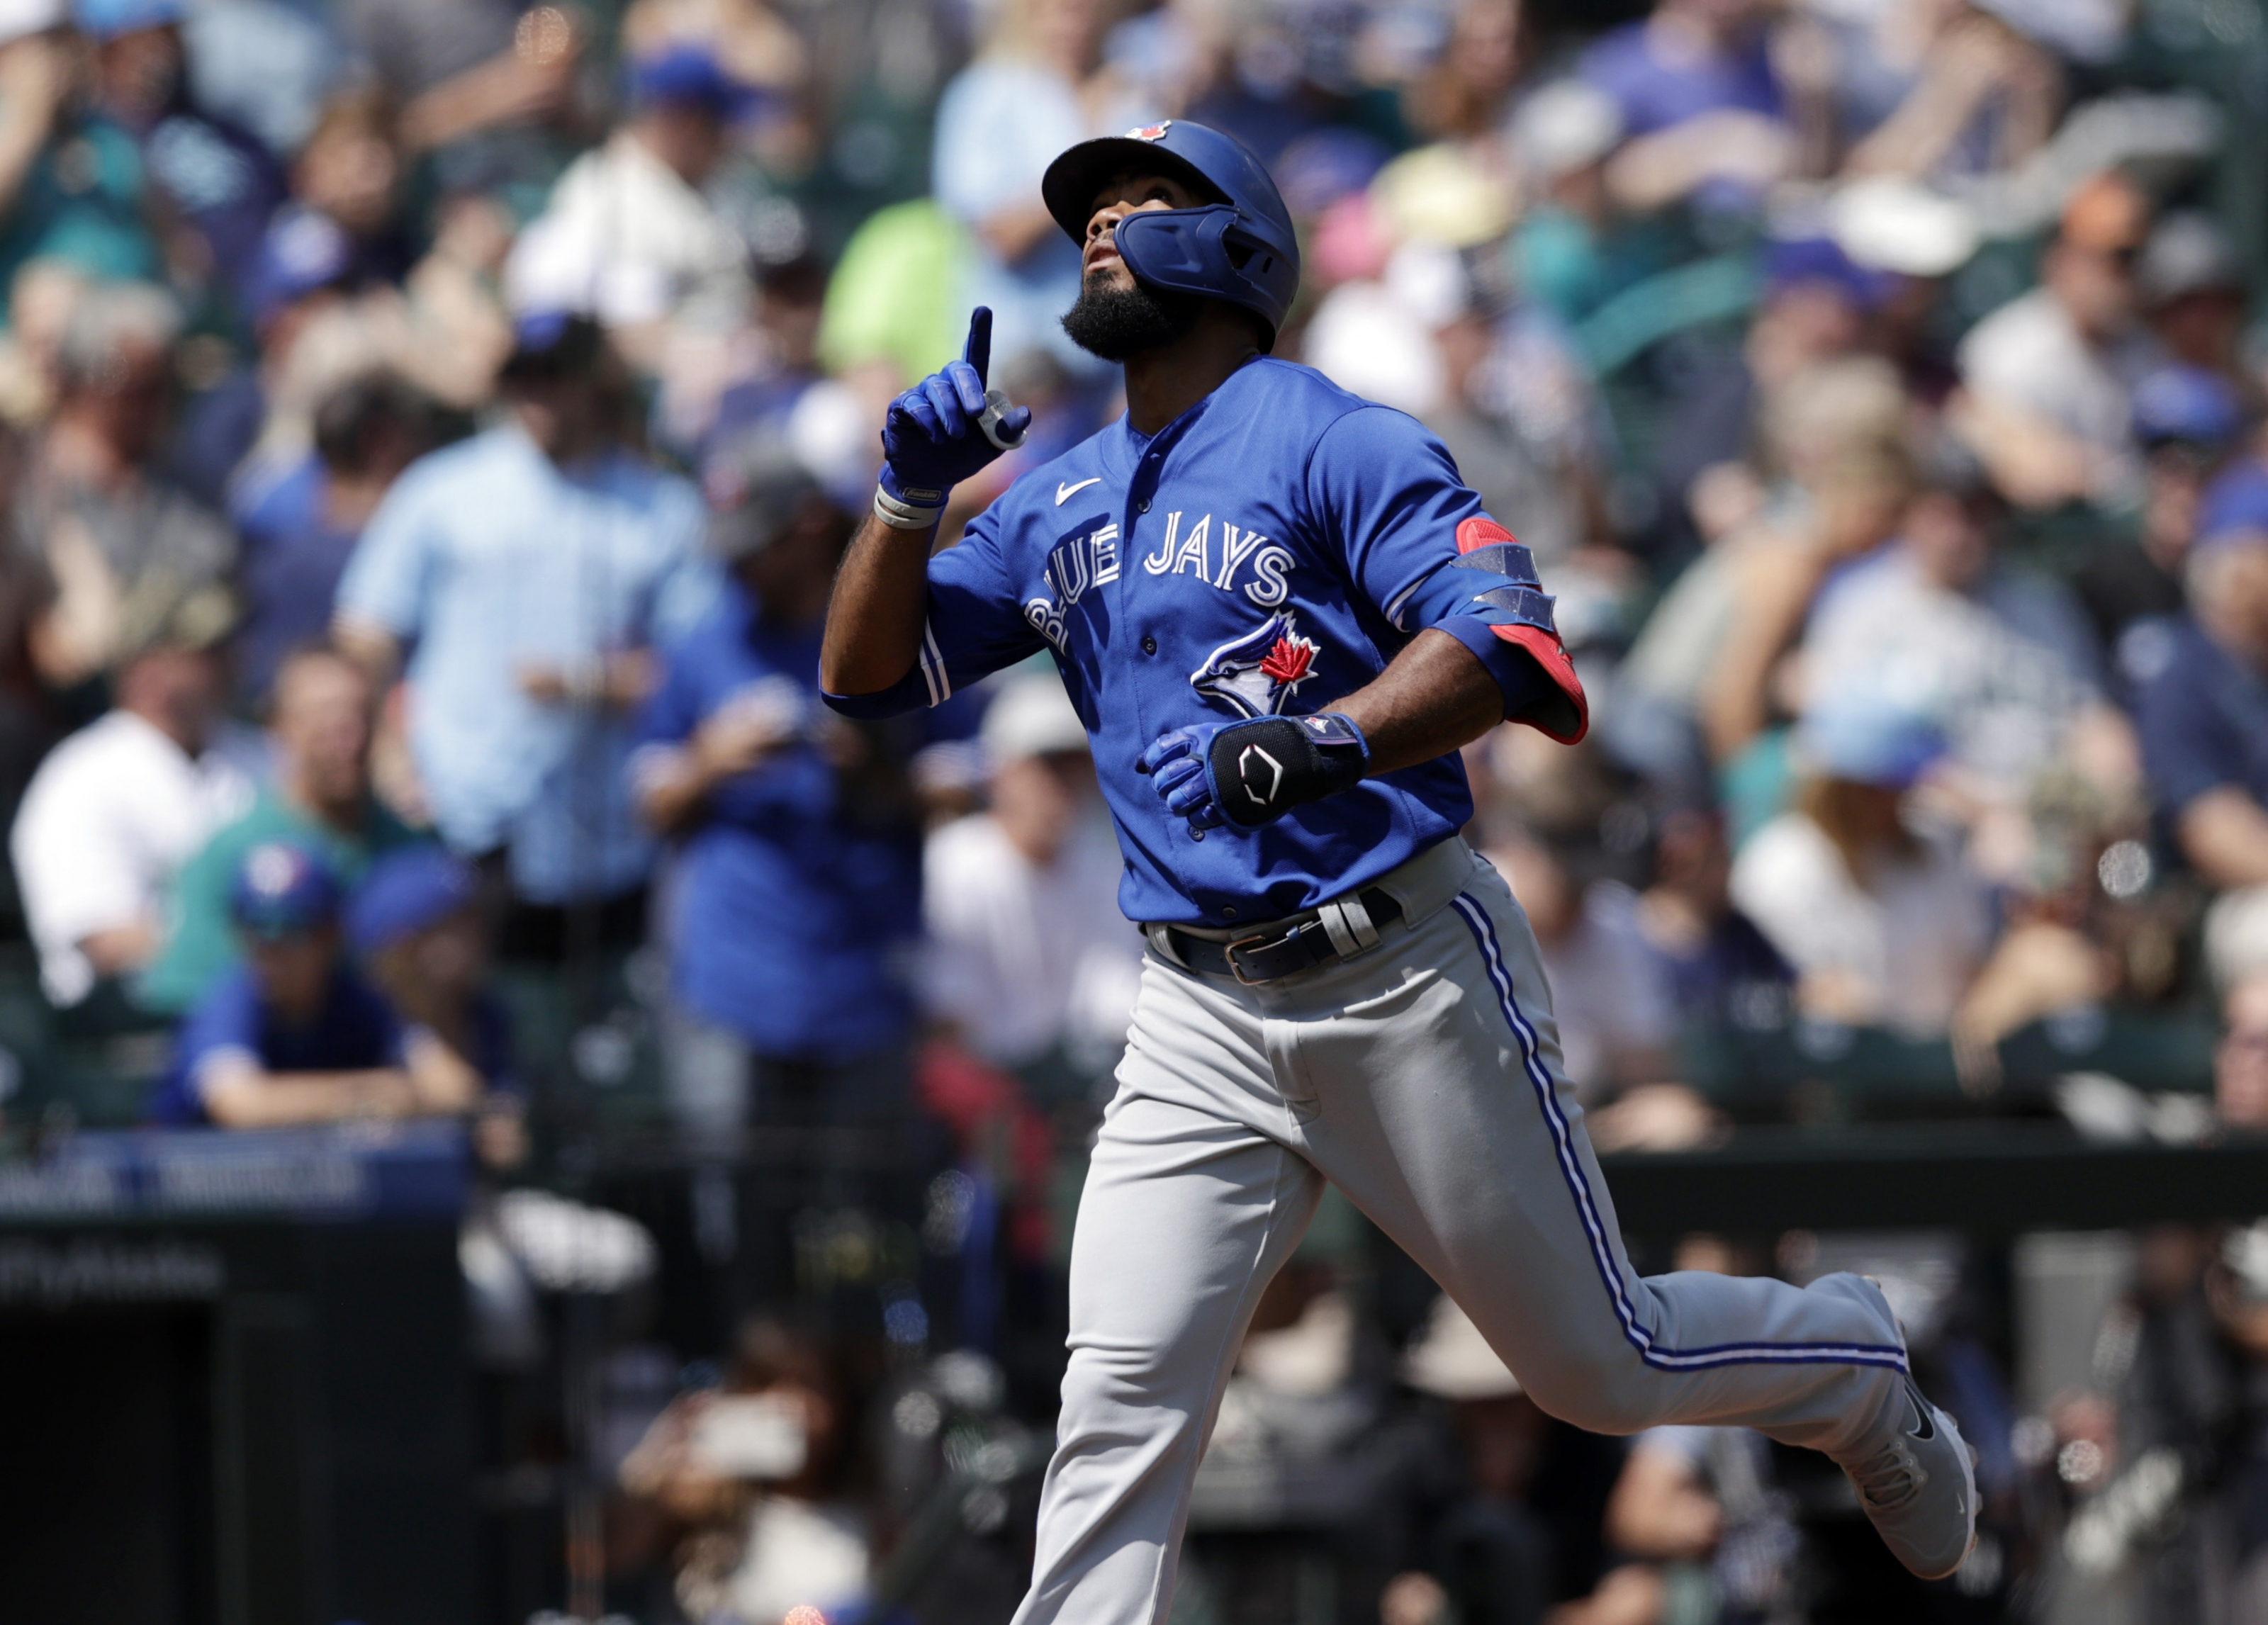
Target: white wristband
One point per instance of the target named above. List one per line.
(904, 516)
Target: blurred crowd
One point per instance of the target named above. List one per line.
(428, 430)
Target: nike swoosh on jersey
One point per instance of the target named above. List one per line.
(1065, 493)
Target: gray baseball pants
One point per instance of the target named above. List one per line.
(1422, 1078)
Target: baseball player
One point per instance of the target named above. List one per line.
(1280, 613)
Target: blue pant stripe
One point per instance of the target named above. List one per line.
(1578, 1186)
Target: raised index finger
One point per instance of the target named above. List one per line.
(978, 351)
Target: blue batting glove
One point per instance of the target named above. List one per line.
(1243, 774)
(948, 427)
(1175, 764)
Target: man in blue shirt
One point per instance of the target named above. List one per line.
(534, 567)
(796, 898)
(2202, 713)
(1280, 614)
(295, 1035)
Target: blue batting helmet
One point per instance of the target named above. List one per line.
(1240, 248)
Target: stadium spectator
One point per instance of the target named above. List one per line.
(471, 78)
(319, 798)
(1723, 973)
(2050, 376)
(1858, 502)
(2240, 1065)
(789, 303)
(1614, 1001)
(116, 810)
(1884, 925)
(2202, 718)
(628, 233)
(794, 894)
(1705, 115)
(1463, 95)
(2185, 420)
(70, 183)
(113, 538)
(2192, 290)
(762, 1472)
(534, 568)
(349, 170)
(1031, 93)
(216, 183)
(1944, 92)
(1570, 250)
(1495, 1550)
(295, 1035)
(418, 924)
(1031, 962)
(1698, 682)
(2000, 660)
(301, 513)
(334, 301)
(303, 268)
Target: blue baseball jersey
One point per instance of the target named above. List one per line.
(1266, 553)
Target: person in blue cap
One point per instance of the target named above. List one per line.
(2186, 420)
(1280, 614)
(295, 1035)
(1884, 926)
(629, 231)
(419, 925)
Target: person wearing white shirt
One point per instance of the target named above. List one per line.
(2050, 376)
(629, 233)
(1885, 925)
(116, 809)
(1031, 93)
(1028, 954)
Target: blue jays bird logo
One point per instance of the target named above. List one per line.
(1255, 673)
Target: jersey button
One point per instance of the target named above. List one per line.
(1228, 913)
(1149, 645)
(1143, 506)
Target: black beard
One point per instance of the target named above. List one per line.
(1116, 323)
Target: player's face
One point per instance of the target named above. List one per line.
(1128, 192)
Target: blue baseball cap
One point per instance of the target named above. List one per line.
(1806, 260)
(406, 890)
(282, 889)
(552, 341)
(688, 75)
(1868, 738)
(2186, 405)
(303, 253)
(2235, 507)
(108, 19)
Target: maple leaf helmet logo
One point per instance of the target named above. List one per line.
(1150, 132)
(1256, 675)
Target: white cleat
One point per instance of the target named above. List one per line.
(1919, 1489)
